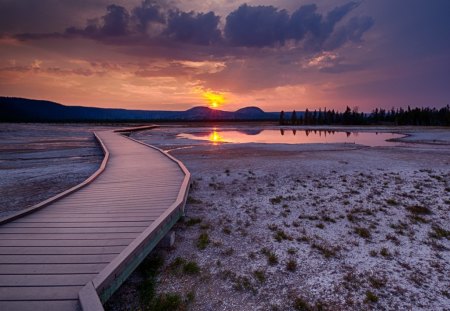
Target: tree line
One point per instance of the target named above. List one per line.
(400, 116)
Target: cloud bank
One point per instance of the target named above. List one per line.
(247, 26)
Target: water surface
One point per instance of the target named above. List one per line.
(217, 136)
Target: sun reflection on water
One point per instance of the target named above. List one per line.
(215, 137)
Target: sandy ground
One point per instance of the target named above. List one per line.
(275, 227)
(309, 227)
(38, 161)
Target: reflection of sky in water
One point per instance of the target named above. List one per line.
(217, 136)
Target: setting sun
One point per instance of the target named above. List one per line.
(215, 100)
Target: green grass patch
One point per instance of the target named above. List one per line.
(193, 221)
(260, 275)
(326, 251)
(440, 233)
(272, 258)
(363, 232)
(392, 202)
(419, 210)
(385, 252)
(280, 235)
(302, 305)
(191, 267)
(291, 265)
(371, 297)
(203, 241)
(191, 200)
(276, 200)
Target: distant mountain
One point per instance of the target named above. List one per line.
(250, 110)
(29, 110)
(205, 113)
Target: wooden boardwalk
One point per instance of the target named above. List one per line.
(72, 253)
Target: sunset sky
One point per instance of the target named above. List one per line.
(173, 55)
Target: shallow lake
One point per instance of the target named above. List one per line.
(290, 136)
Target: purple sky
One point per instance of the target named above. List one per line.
(277, 55)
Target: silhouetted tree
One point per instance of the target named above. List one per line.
(282, 117)
(294, 118)
(306, 117)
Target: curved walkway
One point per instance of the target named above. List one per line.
(73, 252)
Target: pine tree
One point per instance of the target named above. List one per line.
(294, 118)
(282, 117)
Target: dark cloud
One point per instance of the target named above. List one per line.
(303, 21)
(266, 26)
(147, 14)
(196, 28)
(336, 15)
(256, 26)
(352, 31)
(329, 23)
(50, 15)
(116, 21)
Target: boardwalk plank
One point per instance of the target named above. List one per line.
(141, 202)
(69, 243)
(43, 293)
(93, 214)
(117, 224)
(45, 280)
(125, 187)
(55, 259)
(117, 199)
(147, 207)
(60, 250)
(90, 219)
(50, 269)
(40, 305)
(69, 230)
(68, 236)
(115, 212)
(120, 194)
